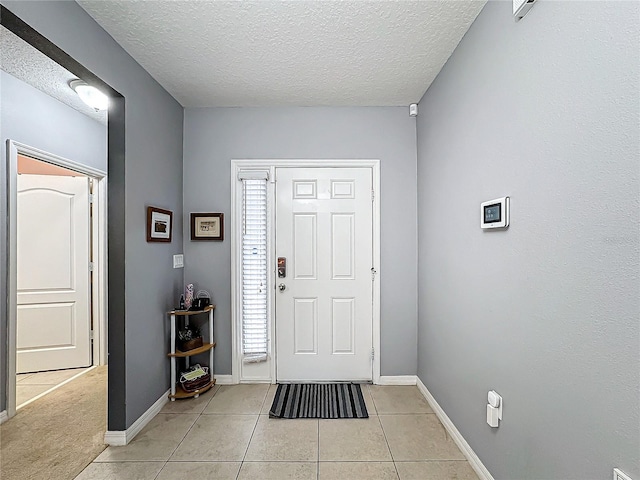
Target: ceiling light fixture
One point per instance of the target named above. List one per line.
(90, 95)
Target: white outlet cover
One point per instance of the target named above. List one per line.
(178, 261)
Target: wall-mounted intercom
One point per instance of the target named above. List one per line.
(495, 213)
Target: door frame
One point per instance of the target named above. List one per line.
(236, 238)
(99, 247)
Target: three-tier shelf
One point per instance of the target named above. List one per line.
(175, 354)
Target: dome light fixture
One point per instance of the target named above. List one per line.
(90, 95)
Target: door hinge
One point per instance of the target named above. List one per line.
(373, 195)
(91, 335)
(91, 198)
(373, 273)
(91, 266)
(373, 353)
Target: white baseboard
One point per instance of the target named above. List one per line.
(120, 438)
(462, 444)
(398, 380)
(3, 417)
(224, 379)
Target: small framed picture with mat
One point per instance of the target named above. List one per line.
(207, 226)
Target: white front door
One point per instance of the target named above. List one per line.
(324, 312)
(53, 321)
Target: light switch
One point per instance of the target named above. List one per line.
(178, 261)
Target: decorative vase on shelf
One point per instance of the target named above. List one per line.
(188, 297)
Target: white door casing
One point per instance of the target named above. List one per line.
(53, 306)
(324, 315)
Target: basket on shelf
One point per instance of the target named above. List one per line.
(191, 344)
(195, 378)
(189, 338)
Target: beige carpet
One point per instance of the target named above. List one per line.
(58, 435)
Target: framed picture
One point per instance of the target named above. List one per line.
(207, 226)
(159, 225)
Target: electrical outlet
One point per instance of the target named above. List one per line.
(178, 261)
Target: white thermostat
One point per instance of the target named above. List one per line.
(495, 213)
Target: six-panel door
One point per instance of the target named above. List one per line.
(324, 314)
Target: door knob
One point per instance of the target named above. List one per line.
(282, 287)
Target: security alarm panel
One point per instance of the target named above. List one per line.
(495, 213)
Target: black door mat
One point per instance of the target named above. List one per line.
(319, 400)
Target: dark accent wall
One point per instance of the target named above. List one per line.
(546, 111)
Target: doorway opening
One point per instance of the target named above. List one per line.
(114, 301)
(57, 277)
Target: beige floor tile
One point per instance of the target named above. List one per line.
(25, 393)
(418, 437)
(200, 471)
(360, 440)
(266, 406)
(278, 471)
(277, 439)
(368, 400)
(458, 470)
(190, 405)
(238, 399)
(156, 441)
(51, 378)
(399, 399)
(357, 471)
(121, 471)
(22, 377)
(222, 438)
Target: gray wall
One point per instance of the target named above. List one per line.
(153, 172)
(38, 120)
(215, 136)
(546, 313)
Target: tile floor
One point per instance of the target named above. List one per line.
(30, 385)
(226, 433)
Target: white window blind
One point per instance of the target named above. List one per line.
(254, 267)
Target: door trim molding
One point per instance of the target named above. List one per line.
(271, 165)
(99, 229)
(397, 380)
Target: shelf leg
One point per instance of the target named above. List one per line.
(173, 359)
(211, 342)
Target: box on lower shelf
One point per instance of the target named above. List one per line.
(180, 393)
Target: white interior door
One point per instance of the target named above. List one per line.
(324, 314)
(53, 319)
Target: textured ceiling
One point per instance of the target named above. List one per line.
(302, 53)
(24, 62)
